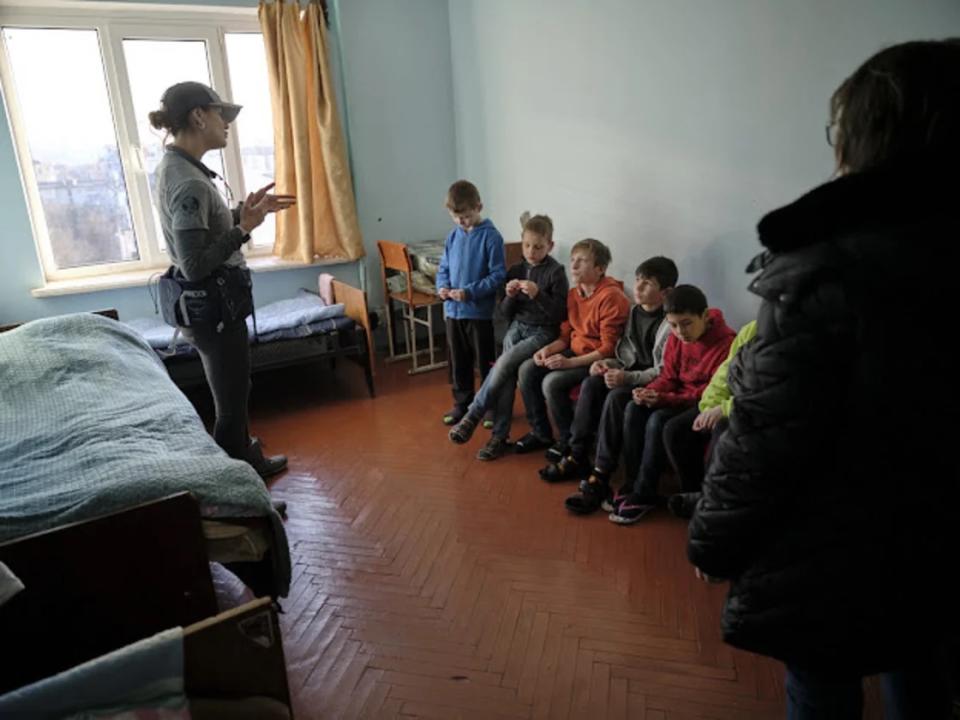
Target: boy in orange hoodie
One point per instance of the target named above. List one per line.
(597, 311)
(700, 342)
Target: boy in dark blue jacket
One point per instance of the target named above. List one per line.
(471, 269)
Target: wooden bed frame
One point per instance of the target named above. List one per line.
(97, 585)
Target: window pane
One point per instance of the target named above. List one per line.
(73, 145)
(248, 78)
(153, 66)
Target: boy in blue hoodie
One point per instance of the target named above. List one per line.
(471, 269)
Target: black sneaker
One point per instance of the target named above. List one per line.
(529, 443)
(569, 468)
(556, 452)
(495, 448)
(589, 498)
(683, 504)
(463, 430)
(454, 415)
(633, 509)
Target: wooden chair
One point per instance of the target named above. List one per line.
(513, 253)
(395, 257)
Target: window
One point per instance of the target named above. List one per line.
(78, 85)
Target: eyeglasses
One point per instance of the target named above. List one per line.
(831, 130)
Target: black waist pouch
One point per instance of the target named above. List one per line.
(224, 296)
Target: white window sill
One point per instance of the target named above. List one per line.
(139, 278)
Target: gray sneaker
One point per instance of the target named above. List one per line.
(495, 448)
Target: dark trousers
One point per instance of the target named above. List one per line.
(688, 449)
(645, 458)
(226, 364)
(471, 343)
(611, 426)
(922, 690)
(586, 416)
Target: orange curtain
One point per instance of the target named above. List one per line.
(311, 158)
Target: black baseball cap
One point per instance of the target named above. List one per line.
(180, 99)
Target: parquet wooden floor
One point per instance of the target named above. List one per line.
(428, 584)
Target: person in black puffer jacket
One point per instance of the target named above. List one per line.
(830, 502)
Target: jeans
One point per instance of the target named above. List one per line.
(922, 691)
(644, 455)
(587, 415)
(689, 449)
(226, 364)
(548, 391)
(497, 391)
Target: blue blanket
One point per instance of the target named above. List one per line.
(90, 423)
(299, 317)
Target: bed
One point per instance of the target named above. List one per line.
(90, 423)
(147, 645)
(300, 330)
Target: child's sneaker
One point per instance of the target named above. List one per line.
(530, 442)
(454, 415)
(612, 504)
(463, 430)
(569, 468)
(556, 452)
(488, 420)
(589, 498)
(496, 447)
(631, 510)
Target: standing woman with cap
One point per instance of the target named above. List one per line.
(204, 236)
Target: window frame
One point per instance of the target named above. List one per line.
(114, 23)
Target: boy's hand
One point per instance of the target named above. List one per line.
(645, 396)
(529, 288)
(708, 419)
(444, 293)
(557, 362)
(458, 295)
(512, 288)
(598, 367)
(615, 378)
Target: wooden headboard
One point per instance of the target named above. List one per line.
(355, 306)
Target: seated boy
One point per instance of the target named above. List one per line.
(597, 310)
(699, 342)
(605, 393)
(690, 436)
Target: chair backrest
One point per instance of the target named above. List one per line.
(513, 253)
(396, 256)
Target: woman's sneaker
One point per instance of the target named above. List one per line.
(463, 430)
(530, 442)
(495, 448)
(612, 502)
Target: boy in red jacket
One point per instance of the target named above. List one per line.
(699, 344)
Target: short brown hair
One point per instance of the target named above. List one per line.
(540, 225)
(902, 104)
(598, 251)
(462, 196)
